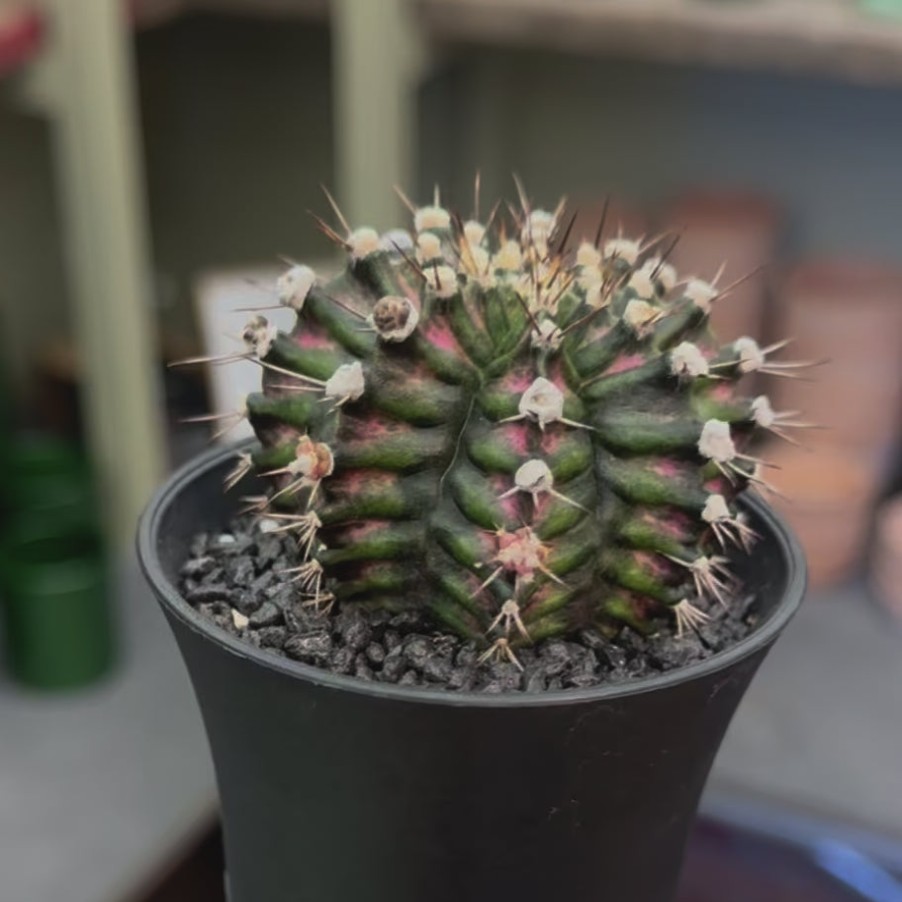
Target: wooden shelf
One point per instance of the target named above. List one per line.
(827, 37)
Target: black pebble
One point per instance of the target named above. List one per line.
(312, 648)
(438, 669)
(272, 636)
(241, 569)
(196, 567)
(246, 601)
(534, 680)
(394, 665)
(506, 675)
(416, 650)
(267, 614)
(342, 660)
(362, 670)
(209, 592)
(355, 632)
(269, 549)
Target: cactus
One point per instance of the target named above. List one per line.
(524, 439)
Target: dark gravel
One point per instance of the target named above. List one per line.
(234, 579)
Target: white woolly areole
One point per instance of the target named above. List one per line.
(549, 335)
(259, 335)
(588, 255)
(474, 232)
(534, 477)
(442, 280)
(686, 359)
(540, 225)
(363, 242)
(431, 218)
(537, 230)
(509, 257)
(716, 443)
(395, 240)
(641, 282)
(589, 276)
(638, 314)
(394, 318)
(663, 272)
(623, 248)
(700, 293)
(429, 247)
(346, 383)
(293, 286)
(762, 412)
(476, 260)
(751, 357)
(543, 402)
(521, 552)
(313, 460)
(716, 509)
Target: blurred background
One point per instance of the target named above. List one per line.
(156, 156)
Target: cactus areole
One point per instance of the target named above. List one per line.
(527, 437)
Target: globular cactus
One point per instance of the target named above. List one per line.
(522, 439)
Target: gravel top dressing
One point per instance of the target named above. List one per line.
(238, 580)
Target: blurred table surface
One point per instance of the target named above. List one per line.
(102, 789)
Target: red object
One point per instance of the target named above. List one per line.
(21, 37)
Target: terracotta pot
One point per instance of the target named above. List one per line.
(851, 313)
(885, 576)
(739, 229)
(829, 500)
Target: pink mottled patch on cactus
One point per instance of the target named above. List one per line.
(314, 341)
(722, 392)
(438, 333)
(353, 483)
(518, 381)
(675, 525)
(510, 506)
(550, 442)
(360, 532)
(654, 564)
(516, 437)
(668, 467)
(625, 363)
(719, 485)
(369, 427)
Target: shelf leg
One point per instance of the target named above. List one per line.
(378, 56)
(92, 104)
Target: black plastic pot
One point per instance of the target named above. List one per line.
(338, 790)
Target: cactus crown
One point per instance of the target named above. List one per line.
(524, 439)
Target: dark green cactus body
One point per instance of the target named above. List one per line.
(523, 443)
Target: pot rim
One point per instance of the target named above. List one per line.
(169, 595)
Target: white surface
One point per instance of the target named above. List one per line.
(219, 299)
(102, 788)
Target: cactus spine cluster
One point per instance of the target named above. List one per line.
(527, 440)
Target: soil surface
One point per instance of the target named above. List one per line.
(237, 580)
